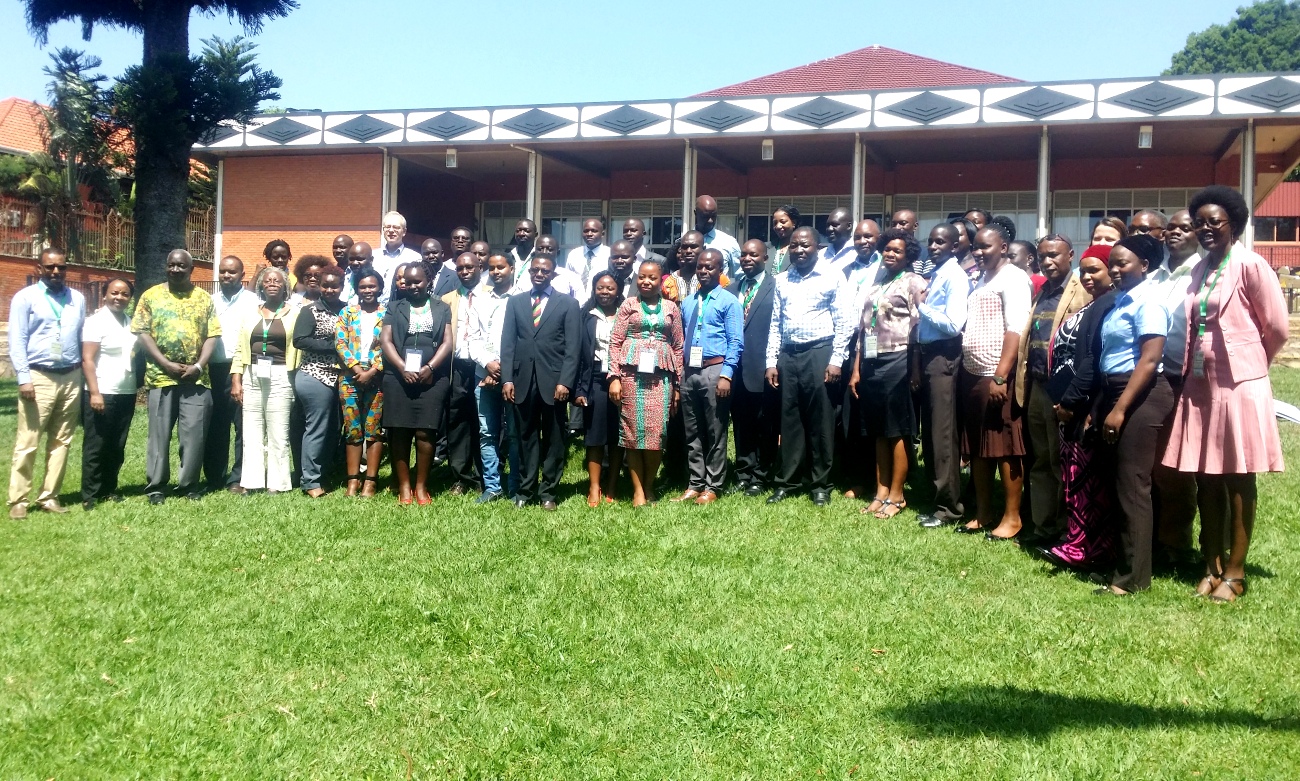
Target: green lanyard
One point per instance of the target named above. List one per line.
(266, 326)
(652, 316)
(55, 306)
(753, 290)
(1204, 303)
(884, 292)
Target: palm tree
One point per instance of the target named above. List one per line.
(171, 99)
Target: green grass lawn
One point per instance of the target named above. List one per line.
(273, 637)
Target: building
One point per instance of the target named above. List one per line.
(1277, 222)
(875, 130)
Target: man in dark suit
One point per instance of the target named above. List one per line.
(540, 345)
(755, 405)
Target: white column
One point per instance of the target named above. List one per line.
(1044, 184)
(383, 194)
(1248, 181)
(533, 207)
(219, 218)
(392, 184)
(859, 177)
(690, 168)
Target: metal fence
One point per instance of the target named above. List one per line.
(107, 238)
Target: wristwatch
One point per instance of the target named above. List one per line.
(999, 380)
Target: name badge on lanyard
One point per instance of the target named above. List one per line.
(262, 369)
(413, 361)
(645, 362)
(870, 346)
(697, 357)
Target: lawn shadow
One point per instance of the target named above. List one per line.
(1011, 712)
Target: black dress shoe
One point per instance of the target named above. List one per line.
(549, 505)
(754, 489)
(932, 521)
(520, 503)
(962, 528)
(88, 504)
(778, 496)
(821, 498)
(991, 537)
(157, 498)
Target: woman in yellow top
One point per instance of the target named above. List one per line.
(260, 381)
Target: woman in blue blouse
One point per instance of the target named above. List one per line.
(1135, 400)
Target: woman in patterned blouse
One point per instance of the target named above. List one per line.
(360, 396)
(316, 386)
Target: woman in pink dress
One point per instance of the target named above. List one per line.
(1224, 427)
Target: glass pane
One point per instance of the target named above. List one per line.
(1286, 228)
(1264, 228)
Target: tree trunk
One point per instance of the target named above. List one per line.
(162, 159)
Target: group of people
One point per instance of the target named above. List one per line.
(1119, 389)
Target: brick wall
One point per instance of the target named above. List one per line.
(15, 270)
(306, 200)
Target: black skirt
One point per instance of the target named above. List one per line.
(600, 416)
(416, 406)
(885, 397)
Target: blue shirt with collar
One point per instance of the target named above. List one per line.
(721, 330)
(38, 320)
(943, 314)
(1138, 313)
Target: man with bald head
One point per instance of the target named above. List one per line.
(443, 275)
(563, 281)
(233, 303)
(521, 249)
(339, 248)
(839, 250)
(592, 257)
(706, 222)
(634, 234)
(906, 220)
(688, 253)
(622, 260)
(358, 256)
(178, 329)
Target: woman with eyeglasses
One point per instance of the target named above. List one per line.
(1224, 428)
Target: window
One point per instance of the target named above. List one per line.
(813, 211)
(1265, 227)
(1076, 212)
(1286, 229)
(932, 209)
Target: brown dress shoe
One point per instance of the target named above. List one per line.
(708, 497)
(690, 494)
(53, 506)
(18, 512)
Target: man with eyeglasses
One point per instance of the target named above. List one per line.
(1176, 490)
(393, 253)
(45, 322)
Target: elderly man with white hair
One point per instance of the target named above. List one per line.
(391, 253)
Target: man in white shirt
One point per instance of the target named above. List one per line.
(521, 251)
(232, 303)
(634, 234)
(484, 341)
(564, 281)
(462, 412)
(392, 252)
(592, 257)
(839, 252)
(706, 222)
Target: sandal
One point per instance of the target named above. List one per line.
(1233, 590)
(593, 503)
(1207, 586)
(875, 506)
(898, 506)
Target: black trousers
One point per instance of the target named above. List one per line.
(103, 446)
(705, 418)
(756, 422)
(543, 440)
(940, 432)
(216, 451)
(1133, 457)
(462, 424)
(807, 419)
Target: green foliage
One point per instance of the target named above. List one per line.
(14, 170)
(277, 637)
(1263, 37)
(132, 14)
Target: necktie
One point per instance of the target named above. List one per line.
(752, 288)
(537, 310)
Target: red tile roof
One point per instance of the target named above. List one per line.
(21, 122)
(1282, 202)
(872, 68)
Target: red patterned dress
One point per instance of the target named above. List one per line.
(656, 330)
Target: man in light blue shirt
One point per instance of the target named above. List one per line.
(706, 222)
(714, 340)
(942, 318)
(393, 253)
(45, 322)
(840, 251)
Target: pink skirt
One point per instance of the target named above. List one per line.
(1224, 428)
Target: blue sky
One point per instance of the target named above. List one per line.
(375, 54)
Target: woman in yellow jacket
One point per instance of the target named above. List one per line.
(261, 380)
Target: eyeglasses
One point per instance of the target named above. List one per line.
(1211, 224)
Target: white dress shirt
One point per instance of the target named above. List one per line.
(386, 261)
(231, 312)
(484, 337)
(586, 262)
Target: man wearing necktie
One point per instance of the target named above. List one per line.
(541, 343)
(755, 405)
(713, 346)
(592, 257)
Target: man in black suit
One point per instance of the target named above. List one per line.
(540, 345)
(755, 405)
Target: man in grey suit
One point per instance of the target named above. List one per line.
(755, 405)
(540, 345)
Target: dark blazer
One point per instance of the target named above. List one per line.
(758, 319)
(545, 356)
(445, 282)
(587, 360)
(1086, 381)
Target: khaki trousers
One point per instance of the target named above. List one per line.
(55, 412)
